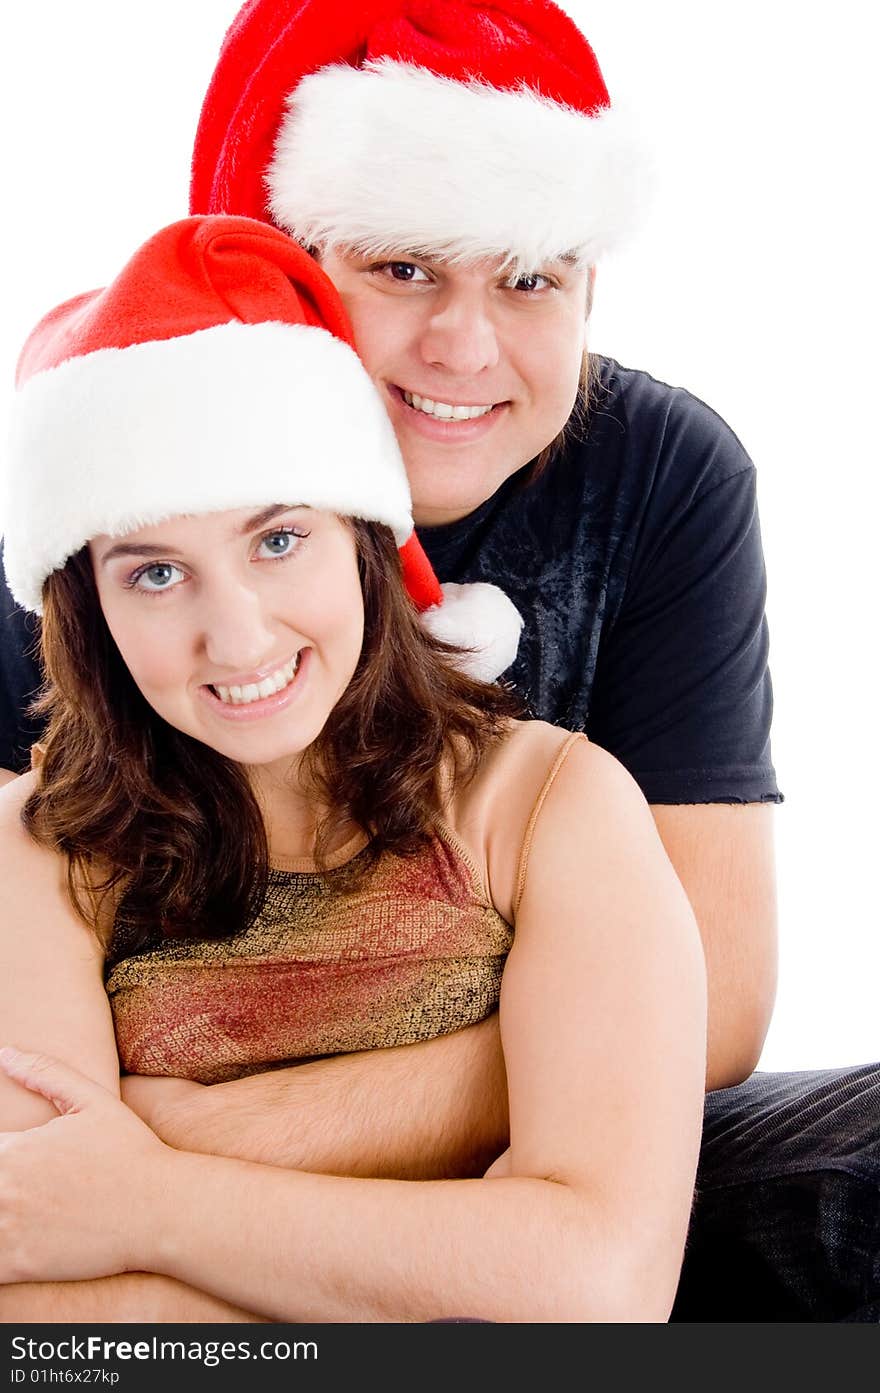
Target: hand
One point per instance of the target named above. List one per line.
(165, 1104)
(74, 1191)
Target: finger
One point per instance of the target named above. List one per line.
(66, 1088)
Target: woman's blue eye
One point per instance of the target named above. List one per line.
(161, 576)
(278, 543)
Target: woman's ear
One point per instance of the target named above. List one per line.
(591, 281)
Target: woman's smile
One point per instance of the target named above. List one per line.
(253, 701)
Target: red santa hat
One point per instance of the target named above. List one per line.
(432, 126)
(217, 371)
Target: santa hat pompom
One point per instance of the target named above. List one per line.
(483, 621)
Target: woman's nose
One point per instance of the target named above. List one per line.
(237, 634)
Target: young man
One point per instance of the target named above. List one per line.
(459, 172)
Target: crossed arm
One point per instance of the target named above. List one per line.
(427, 1111)
(439, 1109)
(602, 1017)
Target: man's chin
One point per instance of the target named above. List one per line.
(433, 506)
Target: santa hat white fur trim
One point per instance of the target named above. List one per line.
(482, 619)
(392, 157)
(227, 417)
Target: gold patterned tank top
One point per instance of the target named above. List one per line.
(413, 951)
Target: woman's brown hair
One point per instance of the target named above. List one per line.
(172, 829)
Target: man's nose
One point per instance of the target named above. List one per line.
(236, 633)
(461, 337)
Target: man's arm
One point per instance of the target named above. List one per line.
(723, 855)
(434, 1110)
(683, 697)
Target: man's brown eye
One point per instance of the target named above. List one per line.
(531, 282)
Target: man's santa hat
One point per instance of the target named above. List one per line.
(217, 371)
(429, 126)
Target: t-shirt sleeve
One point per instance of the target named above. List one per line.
(19, 680)
(682, 694)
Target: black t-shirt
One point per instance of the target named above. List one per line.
(635, 560)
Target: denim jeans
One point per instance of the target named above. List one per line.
(786, 1221)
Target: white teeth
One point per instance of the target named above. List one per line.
(258, 691)
(442, 410)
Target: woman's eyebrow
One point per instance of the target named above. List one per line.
(263, 516)
(134, 549)
(125, 548)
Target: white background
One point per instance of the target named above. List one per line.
(752, 282)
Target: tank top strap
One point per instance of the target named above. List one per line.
(523, 860)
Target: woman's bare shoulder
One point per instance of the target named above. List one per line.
(492, 813)
(524, 745)
(34, 877)
(13, 796)
(529, 756)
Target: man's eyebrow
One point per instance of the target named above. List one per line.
(564, 259)
(147, 549)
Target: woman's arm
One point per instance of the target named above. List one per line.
(132, 1298)
(52, 998)
(51, 989)
(603, 1025)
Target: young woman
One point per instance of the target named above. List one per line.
(275, 820)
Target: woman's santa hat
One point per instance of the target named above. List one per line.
(217, 371)
(429, 126)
